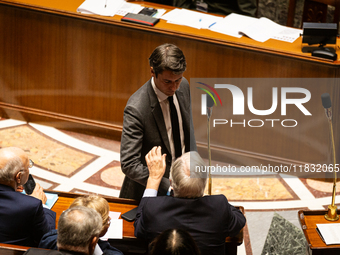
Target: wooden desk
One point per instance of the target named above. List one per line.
(76, 71)
(130, 242)
(308, 221)
(116, 204)
(9, 249)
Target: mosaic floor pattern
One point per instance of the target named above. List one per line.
(76, 163)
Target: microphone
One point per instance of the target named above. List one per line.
(210, 104)
(327, 104)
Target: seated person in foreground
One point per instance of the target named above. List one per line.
(208, 219)
(23, 219)
(78, 232)
(100, 204)
(174, 241)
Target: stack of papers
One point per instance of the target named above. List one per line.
(101, 7)
(261, 29)
(115, 230)
(128, 8)
(190, 18)
(112, 7)
(235, 25)
(329, 232)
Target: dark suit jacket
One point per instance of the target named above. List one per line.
(23, 220)
(49, 241)
(209, 220)
(144, 128)
(35, 251)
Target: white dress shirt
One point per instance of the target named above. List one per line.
(164, 103)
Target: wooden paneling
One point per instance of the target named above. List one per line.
(74, 71)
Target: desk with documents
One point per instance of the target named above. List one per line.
(308, 221)
(76, 71)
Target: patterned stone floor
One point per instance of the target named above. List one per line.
(72, 162)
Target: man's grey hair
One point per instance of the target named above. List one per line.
(76, 228)
(186, 180)
(10, 164)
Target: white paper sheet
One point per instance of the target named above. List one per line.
(100, 7)
(330, 232)
(260, 29)
(115, 230)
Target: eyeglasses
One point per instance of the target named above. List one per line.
(30, 163)
(108, 221)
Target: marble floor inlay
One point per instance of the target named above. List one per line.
(72, 162)
(45, 152)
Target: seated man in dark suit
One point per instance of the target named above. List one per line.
(78, 232)
(208, 219)
(23, 219)
(100, 204)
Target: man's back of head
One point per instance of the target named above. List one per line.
(78, 230)
(186, 175)
(12, 161)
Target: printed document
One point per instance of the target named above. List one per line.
(329, 232)
(261, 29)
(101, 7)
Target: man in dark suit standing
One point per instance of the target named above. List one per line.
(23, 220)
(157, 114)
(208, 219)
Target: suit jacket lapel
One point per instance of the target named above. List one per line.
(158, 115)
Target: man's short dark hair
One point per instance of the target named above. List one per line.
(167, 57)
(174, 241)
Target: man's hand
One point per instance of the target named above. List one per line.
(39, 193)
(20, 188)
(156, 165)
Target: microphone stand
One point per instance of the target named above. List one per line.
(332, 208)
(209, 112)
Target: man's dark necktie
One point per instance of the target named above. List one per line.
(175, 128)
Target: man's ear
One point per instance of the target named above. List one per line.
(152, 72)
(92, 245)
(17, 177)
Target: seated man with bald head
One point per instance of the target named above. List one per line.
(208, 219)
(78, 233)
(23, 219)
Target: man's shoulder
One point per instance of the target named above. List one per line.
(37, 251)
(23, 199)
(219, 197)
(140, 93)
